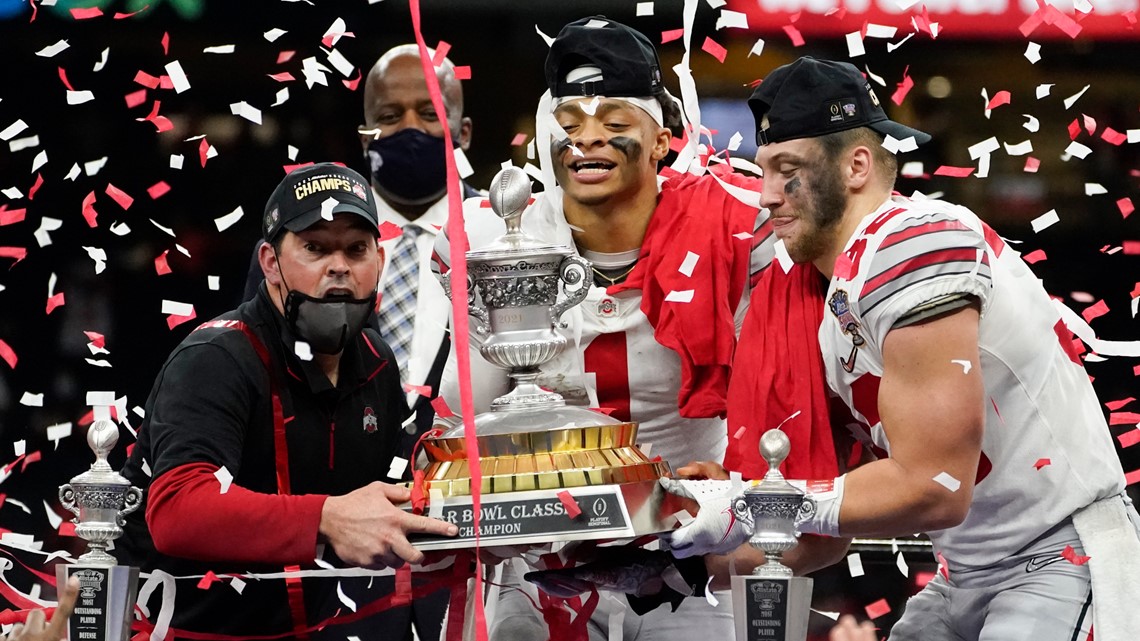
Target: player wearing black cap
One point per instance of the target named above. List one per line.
(271, 429)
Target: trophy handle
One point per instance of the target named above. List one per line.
(483, 327)
(742, 512)
(572, 271)
(807, 510)
(132, 501)
(67, 498)
(445, 281)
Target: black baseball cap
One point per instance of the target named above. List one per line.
(810, 97)
(627, 59)
(297, 201)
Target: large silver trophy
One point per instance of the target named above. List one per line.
(771, 603)
(550, 471)
(100, 498)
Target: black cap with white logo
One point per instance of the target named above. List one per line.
(299, 200)
(810, 97)
(624, 58)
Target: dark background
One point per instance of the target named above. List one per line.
(1088, 259)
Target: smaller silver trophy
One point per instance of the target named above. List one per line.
(771, 603)
(100, 498)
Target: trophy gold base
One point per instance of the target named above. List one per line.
(771, 609)
(105, 603)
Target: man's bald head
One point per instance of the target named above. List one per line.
(396, 95)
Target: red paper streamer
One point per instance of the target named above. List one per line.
(1125, 206)
(954, 172)
(96, 339)
(86, 13)
(903, 88)
(1115, 405)
(7, 354)
(174, 320)
(878, 609)
(1041, 462)
(1037, 255)
(209, 579)
(36, 186)
(1112, 136)
(463, 73)
(11, 216)
(390, 230)
(714, 49)
(89, 212)
(671, 35)
(1070, 555)
(63, 78)
(1123, 418)
(203, 150)
(1129, 438)
(519, 140)
(145, 79)
(441, 409)
(119, 196)
(54, 301)
(794, 35)
(572, 509)
(422, 390)
(19, 253)
(285, 56)
(1096, 310)
(1031, 165)
(284, 76)
(166, 43)
(352, 83)
(1000, 98)
(161, 265)
(158, 190)
(441, 50)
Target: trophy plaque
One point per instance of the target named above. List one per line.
(771, 603)
(100, 498)
(538, 456)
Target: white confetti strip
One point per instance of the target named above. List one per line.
(327, 207)
(51, 50)
(225, 222)
(98, 363)
(1093, 189)
(314, 72)
(32, 400)
(966, 365)
(214, 283)
(876, 78)
(896, 146)
(225, 479)
(1031, 123)
(24, 143)
(219, 49)
(912, 169)
(119, 229)
(47, 225)
(591, 107)
(1019, 149)
(99, 256)
(734, 141)
(1033, 53)
(881, 31)
(900, 563)
(397, 467)
(987, 146)
(689, 264)
(102, 60)
(54, 519)
(757, 48)
(176, 161)
(855, 46)
(1133, 135)
(100, 398)
(177, 76)
(783, 257)
(683, 296)
(435, 503)
(247, 111)
(273, 34)
(463, 166)
(237, 584)
(58, 431)
(1075, 97)
(13, 129)
(1043, 90)
(303, 350)
(93, 167)
(20, 447)
(831, 615)
(683, 517)
(855, 564)
(348, 603)
(1045, 220)
(40, 160)
(644, 8)
(709, 596)
(947, 481)
(731, 20)
(1077, 149)
(176, 308)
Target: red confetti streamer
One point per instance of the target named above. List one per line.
(161, 265)
(390, 230)
(1000, 98)
(519, 140)
(67, 528)
(119, 196)
(441, 409)
(203, 150)
(441, 50)
(1123, 418)
(124, 16)
(1115, 405)
(1132, 247)
(158, 190)
(96, 339)
(174, 320)
(1034, 256)
(135, 98)
(29, 459)
(794, 35)
(1131, 478)
(36, 186)
(1041, 462)
(1125, 206)
(63, 78)
(422, 390)
(285, 56)
(166, 43)
(878, 609)
(1070, 555)
(903, 89)
(164, 82)
(843, 267)
(11, 216)
(7, 354)
(1129, 438)
(209, 579)
(1112, 136)
(19, 253)
(1136, 370)
(145, 79)
(86, 13)
(463, 73)
(1096, 310)
(284, 76)
(953, 172)
(89, 212)
(1074, 129)
(572, 509)
(1031, 165)
(291, 168)
(714, 49)
(739, 433)
(35, 10)
(54, 301)
(671, 35)
(352, 83)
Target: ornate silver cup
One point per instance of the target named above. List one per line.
(100, 498)
(771, 603)
(518, 279)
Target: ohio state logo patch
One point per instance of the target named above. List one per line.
(607, 307)
(369, 420)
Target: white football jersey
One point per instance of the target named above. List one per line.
(1046, 451)
(611, 360)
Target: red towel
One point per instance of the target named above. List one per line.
(778, 371)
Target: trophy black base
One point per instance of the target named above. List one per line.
(771, 609)
(106, 601)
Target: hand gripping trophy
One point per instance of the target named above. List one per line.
(771, 603)
(100, 498)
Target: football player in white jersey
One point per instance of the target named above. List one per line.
(964, 381)
(661, 364)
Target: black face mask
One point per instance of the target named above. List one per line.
(327, 324)
(409, 167)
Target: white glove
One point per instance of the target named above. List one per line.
(824, 518)
(715, 530)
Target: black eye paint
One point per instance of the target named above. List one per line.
(792, 186)
(559, 146)
(629, 147)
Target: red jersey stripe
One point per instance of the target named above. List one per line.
(952, 255)
(897, 237)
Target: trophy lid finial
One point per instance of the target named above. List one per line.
(774, 448)
(102, 437)
(509, 195)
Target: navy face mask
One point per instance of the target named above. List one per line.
(409, 167)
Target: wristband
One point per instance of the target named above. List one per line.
(827, 497)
